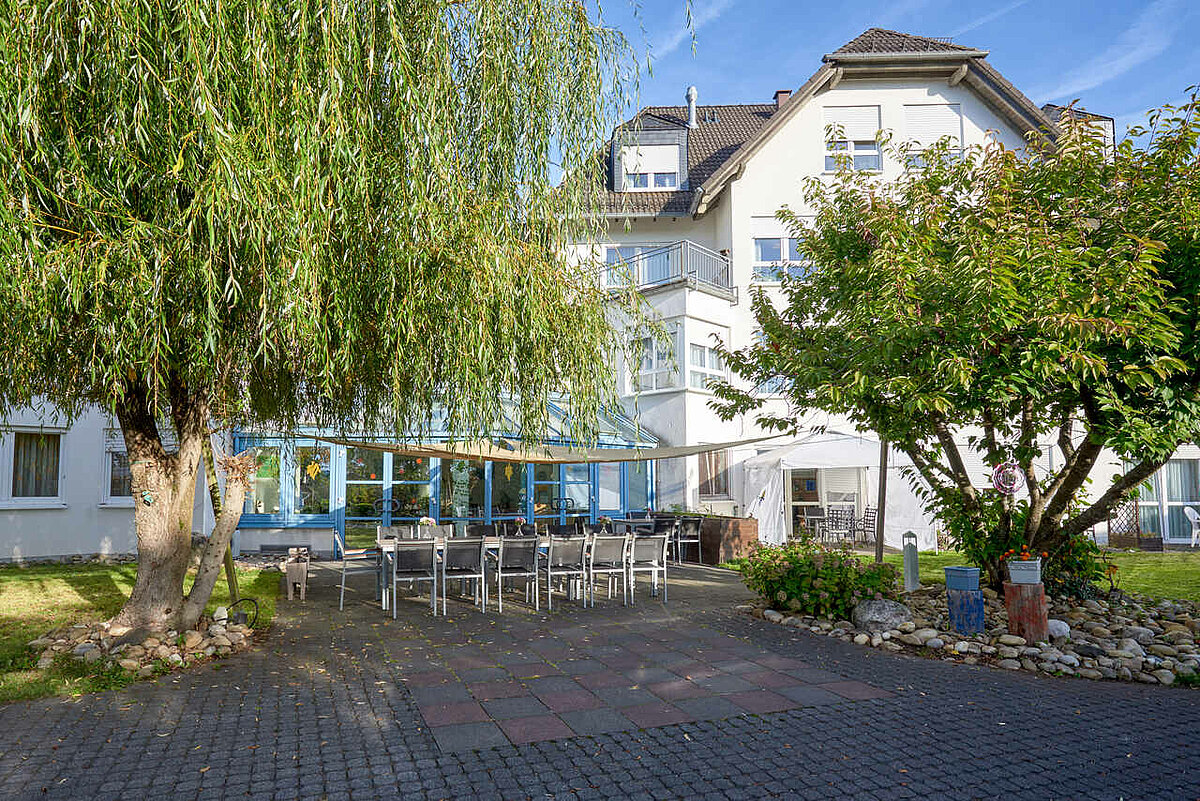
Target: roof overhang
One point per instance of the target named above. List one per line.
(967, 66)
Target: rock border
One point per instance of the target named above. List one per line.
(140, 652)
(1131, 638)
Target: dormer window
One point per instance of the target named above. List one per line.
(648, 168)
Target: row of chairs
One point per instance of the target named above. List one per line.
(568, 559)
(678, 536)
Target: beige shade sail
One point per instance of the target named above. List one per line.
(501, 450)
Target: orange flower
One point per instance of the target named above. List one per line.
(1045, 555)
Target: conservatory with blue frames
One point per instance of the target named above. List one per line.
(306, 485)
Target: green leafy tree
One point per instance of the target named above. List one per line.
(263, 213)
(996, 302)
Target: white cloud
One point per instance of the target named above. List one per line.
(702, 14)
(1150, 35)
(979, 22)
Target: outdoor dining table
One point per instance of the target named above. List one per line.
(635, 524)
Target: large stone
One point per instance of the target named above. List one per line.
(1165, 676)
(221, 641)
(1087, 649)
(1009, 664)
(1058, 628)
(925, 634)
(1011, 639)
(1140, 633)
(129, 664)
(880, 615)
(1131, 646)
(192, 638)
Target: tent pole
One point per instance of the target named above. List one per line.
(882, 500)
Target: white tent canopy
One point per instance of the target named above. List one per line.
(765, 476)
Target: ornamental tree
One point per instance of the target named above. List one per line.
(257, 213)
(1001, 303)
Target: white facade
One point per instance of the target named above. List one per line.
(909, 96)
(71, 497)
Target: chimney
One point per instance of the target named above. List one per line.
(691, 101)
(782, 96)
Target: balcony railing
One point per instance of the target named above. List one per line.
(680, 262)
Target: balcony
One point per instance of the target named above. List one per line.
(678, 264)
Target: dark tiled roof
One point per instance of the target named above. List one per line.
(881, 40)
(719, 134)
(1055, 112)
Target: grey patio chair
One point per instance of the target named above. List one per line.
(563, 529)
(866, 524)
(565, 558)
(414, 561)
(357, 559)
(839, 524)
(464, 558)
(609, 557)
(648, 555)
(517, 558)
(687, 532)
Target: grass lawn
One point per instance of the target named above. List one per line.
(38, 598)
(1174, 574)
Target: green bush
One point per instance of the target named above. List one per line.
(806, 578)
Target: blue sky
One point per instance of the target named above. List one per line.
(1119, 58)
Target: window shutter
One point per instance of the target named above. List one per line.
(927, 123)
(860, 123)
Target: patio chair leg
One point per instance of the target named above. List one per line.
(664, 589)
(342, 598)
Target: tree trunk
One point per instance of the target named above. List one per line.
(237, 481)
(164, 486)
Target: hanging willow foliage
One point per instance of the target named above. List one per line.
(306, 211)
(309, 211)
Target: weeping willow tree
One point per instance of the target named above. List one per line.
(308, 211)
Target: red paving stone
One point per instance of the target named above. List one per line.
(760, 702)
(451, 714)
(487, 690)
(534, 729)
(770, 679)
(571, 701)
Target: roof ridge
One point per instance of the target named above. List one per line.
(882, 40)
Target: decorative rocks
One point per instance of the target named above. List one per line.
(1128, 638)
(1057, 628)
(880, 615)
(140, 652)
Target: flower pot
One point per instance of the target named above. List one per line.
(1025, 572)
(962, 578)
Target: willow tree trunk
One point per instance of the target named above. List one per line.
(164, 488)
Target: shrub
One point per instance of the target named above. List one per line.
(803, 577)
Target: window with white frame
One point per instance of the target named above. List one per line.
(31, 467)
(776, 257)
(704, 365)
(714, 474)
(650, 167)
(1164, 496)
(658, 368)
(117, 488)
(926, 124)
(852, 138)
(776, 385)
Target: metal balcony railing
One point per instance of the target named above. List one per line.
(679, 262)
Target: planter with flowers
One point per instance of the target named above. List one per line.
(1024, 566)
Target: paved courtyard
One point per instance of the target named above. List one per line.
(686, 700)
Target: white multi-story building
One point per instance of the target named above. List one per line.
(691, 209)
(691, 217)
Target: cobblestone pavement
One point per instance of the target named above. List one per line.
(328, 708)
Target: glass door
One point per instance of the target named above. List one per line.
(364, 496)
(411, 492)
(802, 494)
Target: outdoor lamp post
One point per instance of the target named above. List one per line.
(912, 579)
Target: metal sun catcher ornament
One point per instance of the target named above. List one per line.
(1006, 477)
